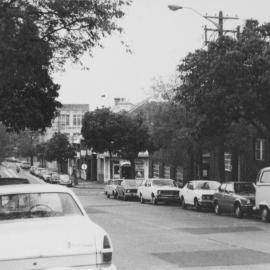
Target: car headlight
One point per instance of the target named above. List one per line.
(107, 250)
(159, 192)
(127, 191)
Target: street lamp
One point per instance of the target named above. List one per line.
(176, 7)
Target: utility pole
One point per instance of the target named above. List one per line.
(219, 26)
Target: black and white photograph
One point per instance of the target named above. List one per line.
(134, 135)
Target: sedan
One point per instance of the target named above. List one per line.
(46, 227)
(110, 187)
(235, 197)
(65, 179)
(127, 190)
(198, 193)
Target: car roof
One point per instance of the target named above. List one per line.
(238, 182)
(33, 188)
(13, 181)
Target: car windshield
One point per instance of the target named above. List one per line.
(207, 185)
(244, 188)
(117, 182)
(163, 182)
(37, 205)
(129, 183)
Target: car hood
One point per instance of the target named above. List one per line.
(45, 237)
(166, 188)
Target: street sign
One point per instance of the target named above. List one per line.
(84, 166)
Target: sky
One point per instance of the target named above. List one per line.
(159, 38)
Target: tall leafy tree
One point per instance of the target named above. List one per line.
(116, 133)
(6, 143)
(59, 148)
(227, 82)
(36, 37)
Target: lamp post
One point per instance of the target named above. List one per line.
(176, 7)
(219, 25)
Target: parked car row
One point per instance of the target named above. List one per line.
(237, 198)
(51, 177)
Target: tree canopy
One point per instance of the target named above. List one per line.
(36, 37)
(58, 148)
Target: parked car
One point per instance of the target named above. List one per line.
(235, 197)
(110, 187)
(158, 189)
(65, 179)
(37, 171)
(127, 190)
(13, 181)
(198, 193)
(46, 227)
(46, 175)
(55, 178)
(32, 169)
(262, 197)
(25, 165)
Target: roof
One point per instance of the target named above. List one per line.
(33, 188)
(74, 107)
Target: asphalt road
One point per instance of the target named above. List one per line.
(166, 237)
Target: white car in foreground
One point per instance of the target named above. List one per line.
(199, 193)
(46, 227)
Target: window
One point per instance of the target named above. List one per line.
(265, 177)
(228, 162)
(260, 149)
(77, 119)
(230, 188)
(64, 120)
(222, 187)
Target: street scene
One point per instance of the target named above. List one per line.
(134, 135)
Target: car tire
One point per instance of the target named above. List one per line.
(183, 203)
(265, 214)
(197, 205)
(238, 212)
(108, 195)
(217, 209)
(142, 199)
(125, 198)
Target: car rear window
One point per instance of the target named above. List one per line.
(37, 205)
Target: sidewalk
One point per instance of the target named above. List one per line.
(89, 184)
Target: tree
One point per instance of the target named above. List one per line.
(135, 139)
(116, 133)
(26, 142)
(227, 82)
(58, 148)
(36, 37)
(6, 145)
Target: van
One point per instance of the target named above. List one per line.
(262, 197)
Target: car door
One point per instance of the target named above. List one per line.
(189, 197)
(229, 197)
(220, 196)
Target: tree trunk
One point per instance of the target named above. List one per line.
(132, 163)
(32, 160)
(235, 166)
(111, 166)
(220, 160)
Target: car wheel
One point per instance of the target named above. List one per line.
(153, 200)
(125, 198)
(108, 195)
(197, 205)
(238, 211)
(217, 209)
(141, 199)
(184, 206)
(265, 215)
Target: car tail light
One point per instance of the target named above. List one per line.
(107, 250)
